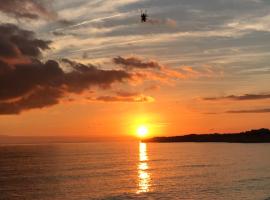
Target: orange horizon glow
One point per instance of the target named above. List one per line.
(98, 77)
(98, 120)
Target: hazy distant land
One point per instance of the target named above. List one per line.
(253, 136)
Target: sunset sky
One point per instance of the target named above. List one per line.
(91, 68)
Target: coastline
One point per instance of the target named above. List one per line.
(253, 136)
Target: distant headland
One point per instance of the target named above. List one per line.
(253, 136)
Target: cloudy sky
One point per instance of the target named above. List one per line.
(91, 68)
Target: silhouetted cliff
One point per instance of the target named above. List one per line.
(253, 136)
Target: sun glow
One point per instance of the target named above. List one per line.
(142, 131)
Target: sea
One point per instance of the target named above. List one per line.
(134, 170)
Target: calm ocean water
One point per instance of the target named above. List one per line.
(135, 171)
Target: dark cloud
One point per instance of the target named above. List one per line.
(153, 70)
(127, 94)
(137, 98)
(134, 62)
(15, 42)
(240, 98)
(149, 69)
(124, 96)
(39, 98)
(37, 84)
(264, 110)
(30, 9)
(83, 76)
(27, 83)
(58, 33)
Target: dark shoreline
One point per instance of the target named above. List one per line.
(253, 136)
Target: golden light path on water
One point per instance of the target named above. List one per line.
(144, 177)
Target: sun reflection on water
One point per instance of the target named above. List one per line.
(144, 177)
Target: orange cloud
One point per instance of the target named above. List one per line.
(138, 98)
(153, 70)
(245, 97)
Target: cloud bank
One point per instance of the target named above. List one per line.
(154, 70)
(29, 9)
(131, 99)
(26, 82)
(135, 62)
(264, 110)
(245, 97)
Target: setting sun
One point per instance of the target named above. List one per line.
(142, 131)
